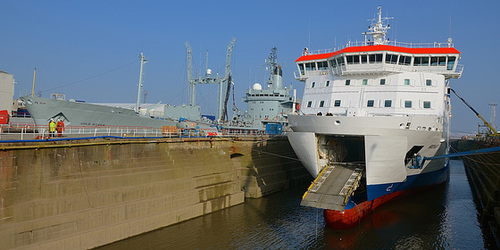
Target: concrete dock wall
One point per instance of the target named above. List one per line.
(483, 173)
(87, 193)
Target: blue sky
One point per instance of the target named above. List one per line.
(73, 43)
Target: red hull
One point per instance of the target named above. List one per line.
(352, 217)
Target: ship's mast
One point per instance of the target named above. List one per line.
(377, 29)
(33, 89)
(139, 87)
(191, 82)
(272, 60)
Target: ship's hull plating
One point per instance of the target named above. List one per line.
(84, 114)
(356, 212)
(387, 141)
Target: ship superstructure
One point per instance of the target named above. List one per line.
(370, 111)
(267, 106)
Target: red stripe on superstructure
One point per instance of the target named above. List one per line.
(380, 48)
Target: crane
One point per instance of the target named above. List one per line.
(209, 79)
(493, 130)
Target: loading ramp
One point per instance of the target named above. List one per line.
(333, 186)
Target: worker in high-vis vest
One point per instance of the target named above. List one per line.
(52, 127)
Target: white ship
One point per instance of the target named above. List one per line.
(370, 111)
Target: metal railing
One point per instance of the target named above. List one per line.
(390, 43)
(32, 132)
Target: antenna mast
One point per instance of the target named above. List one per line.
(191, 82)
(139, 87)
(33, 89)
(377, 29)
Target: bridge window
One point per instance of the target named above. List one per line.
(347, 82)
(340, 61)
(388, 103)
(427, 105)
(349, 59)
(333, 63)
(354, 59)
(370, 103)
(391, 58)
(417, 61)
(365, 81)
(407, 81)
(301, 68)
(310, 66)
(428, 82)
(425, 61)
(404, 60)
(321, 104)
(322, 65)
(434, 61)
(337, 103)
(309, 104)
(364, 59)
(451, 62)
(382, 81)
(407, 104)
(375, 58)
(421, 61)
(327, 83)
(442, 61)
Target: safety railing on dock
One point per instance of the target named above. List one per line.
(32, 132)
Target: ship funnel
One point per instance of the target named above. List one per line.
(276, 78)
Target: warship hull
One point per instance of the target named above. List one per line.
(85, 114)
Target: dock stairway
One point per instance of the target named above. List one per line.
(333, 186)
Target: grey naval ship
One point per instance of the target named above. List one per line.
(267, 109)
(77, 113)
(266, 113)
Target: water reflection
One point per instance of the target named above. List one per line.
(444, 217)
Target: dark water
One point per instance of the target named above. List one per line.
(442, 218)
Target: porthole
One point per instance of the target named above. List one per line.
(337, 122)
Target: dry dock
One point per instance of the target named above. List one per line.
(80, 194)
(483, 173)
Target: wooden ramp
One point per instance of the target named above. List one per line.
(333, 186)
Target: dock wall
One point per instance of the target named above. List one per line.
(483, 173)
(87, 193)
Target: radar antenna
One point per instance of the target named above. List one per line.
(377, 29)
